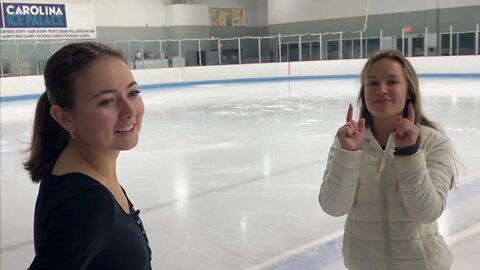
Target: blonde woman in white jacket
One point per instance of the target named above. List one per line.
(390, 172)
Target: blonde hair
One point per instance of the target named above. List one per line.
(413, 92)
(413, 89)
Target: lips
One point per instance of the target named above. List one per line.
(382, 100)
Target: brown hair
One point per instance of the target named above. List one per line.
(62, 69)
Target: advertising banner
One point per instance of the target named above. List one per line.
(31, 21)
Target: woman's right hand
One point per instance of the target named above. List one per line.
(351, 134)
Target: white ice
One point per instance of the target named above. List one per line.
(227, 176)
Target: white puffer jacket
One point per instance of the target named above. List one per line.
(392, 202)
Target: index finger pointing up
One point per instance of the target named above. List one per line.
(411, 113)
(349, 113)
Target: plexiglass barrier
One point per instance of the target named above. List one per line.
(20, 58)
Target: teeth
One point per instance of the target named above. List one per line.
(126, 129)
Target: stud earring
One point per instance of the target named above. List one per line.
(72, 135)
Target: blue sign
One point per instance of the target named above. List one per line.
(1, 16)
(20, 15)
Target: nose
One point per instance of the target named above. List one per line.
(382, 89)
(127, 108)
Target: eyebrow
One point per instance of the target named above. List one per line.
(108, 91)
(392, 75)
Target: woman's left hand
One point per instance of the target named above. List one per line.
(406, 132)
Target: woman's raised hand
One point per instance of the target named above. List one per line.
(406, 132)
(352, 133)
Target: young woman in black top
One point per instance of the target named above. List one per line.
(91, 111)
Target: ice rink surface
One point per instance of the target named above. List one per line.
(227, 176)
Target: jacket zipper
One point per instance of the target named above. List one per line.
(385, 184)
(388, 259)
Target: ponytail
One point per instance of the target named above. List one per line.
(62, 69)
(48, 141)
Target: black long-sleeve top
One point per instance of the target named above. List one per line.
(78, 224)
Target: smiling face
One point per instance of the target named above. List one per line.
(385, 89)
(108, 110)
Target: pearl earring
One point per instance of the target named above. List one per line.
(72, 135)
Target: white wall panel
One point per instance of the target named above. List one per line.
(186, 15)
(119, 13)
(15, 86)
(287, 11)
